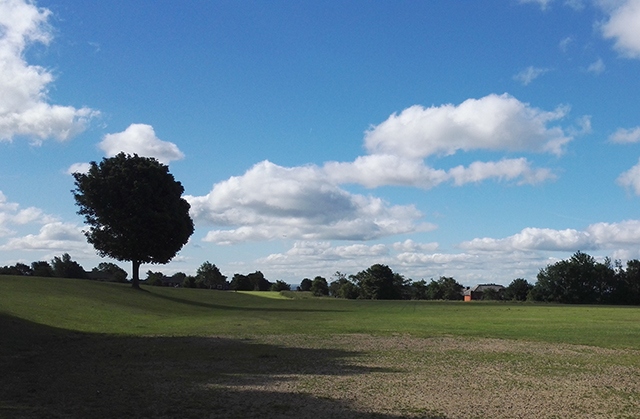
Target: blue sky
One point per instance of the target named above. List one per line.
(479, 140)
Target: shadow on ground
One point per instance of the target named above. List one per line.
(55, 373)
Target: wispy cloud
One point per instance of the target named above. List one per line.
(529, 74)
(597, 67)
(625, 136)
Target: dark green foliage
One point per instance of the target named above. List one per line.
(581, 279)
(305, 285)
(379, 282)
(342, 287)
(110, 272)
(154, 278)
(134, 209)
(189, 282)
(628, 287)
(19, 269)
(445, 288)
(418, 290)
(280, 286)
(64, 267)
(576, 280)
(209, 276)
(41, 268)
(319, 286)
(252, 282)
(518, 290)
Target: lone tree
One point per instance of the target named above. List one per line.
(134, 209)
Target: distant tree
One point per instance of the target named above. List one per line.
(445, 288)
(64, 267)
(628, 289)
(419, 290)
(111, 270)
(379, 282)
(342, 287)
(252, 282)
(209, 276)
(134, 209)
(154, 278)
(259, 282)
(518, 290)
(189, 282)
(451, 289)
(280, 286)
(41, 268)
(319, 286)
(305, 285)
(578, 280)
(241, 282)
(19, 269)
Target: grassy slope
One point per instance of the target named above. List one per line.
(87, 306)
(72, 348)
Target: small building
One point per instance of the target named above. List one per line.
(477, 292)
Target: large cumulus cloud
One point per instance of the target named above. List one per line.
(25, 110)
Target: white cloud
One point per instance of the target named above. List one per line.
(623, 27)
(506, 169)
(385, 169)
(140, 139)
(594, 237)
(631, 179)
(24, 107)
(597, 67)
(533, 239)
(55, 236)
(625, 136)
(78, 168)
(494, 122)
(271, 202)
(413, 246)
(11, 214)
(529, 74)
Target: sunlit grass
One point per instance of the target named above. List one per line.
(116, 308)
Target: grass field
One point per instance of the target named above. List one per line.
(73, 348)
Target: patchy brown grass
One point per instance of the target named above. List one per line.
(53, 373)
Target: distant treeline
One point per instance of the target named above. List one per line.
(580, 279)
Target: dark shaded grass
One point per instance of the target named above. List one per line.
(55, 373)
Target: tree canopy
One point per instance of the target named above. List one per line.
(134, 209)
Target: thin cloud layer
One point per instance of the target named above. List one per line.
(56, 237)
(270, 202)
(140, 139)
(12, 215)
(529, 74)
(24, 107)
(494, 122)
(625, 136)
(594, 237)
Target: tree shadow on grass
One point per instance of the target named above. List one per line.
(55, 373)
(230, 307)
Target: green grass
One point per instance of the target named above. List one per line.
(87, 306)
(76, 348)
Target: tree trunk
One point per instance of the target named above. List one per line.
(135, 272)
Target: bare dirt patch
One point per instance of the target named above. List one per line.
(403, 376)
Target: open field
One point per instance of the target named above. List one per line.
(72, 348)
